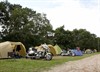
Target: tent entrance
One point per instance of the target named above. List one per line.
(18, 48)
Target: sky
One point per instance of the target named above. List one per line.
(73, 14)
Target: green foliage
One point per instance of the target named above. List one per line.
(62, 37)
(23, 24)
(71, 39)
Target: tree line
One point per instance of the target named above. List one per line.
(33, 28)
(72, 39)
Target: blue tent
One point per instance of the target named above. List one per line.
(78, 52)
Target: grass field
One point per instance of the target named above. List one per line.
(28, 65)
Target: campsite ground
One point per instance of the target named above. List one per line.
(28, 65)
(90, 64)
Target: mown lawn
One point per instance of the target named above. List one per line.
(28, 65)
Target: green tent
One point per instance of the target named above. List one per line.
(57, 49)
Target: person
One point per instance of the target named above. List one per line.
(79, 53)
(78, 48)
(16, 54)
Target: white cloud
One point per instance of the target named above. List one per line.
(88, 3)
(72, 15)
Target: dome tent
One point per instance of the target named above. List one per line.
(78, 52)
(88, 51)
(52, 50)
(8, 47)
(57, 49)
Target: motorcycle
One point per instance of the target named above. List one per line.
(34, 54)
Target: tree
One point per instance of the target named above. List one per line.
(84, 39)
(72, 39)
(63, 38)
(23, 24)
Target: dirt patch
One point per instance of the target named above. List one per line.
(90, 64)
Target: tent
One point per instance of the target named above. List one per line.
(78, 52)
(88, 51)
(39, 48)
(52, 50)
(95, 50)
(57, 49)
(7, 47)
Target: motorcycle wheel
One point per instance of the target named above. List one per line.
(48, 57)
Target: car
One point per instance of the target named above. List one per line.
(67, 53)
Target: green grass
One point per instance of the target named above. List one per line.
(28, 65)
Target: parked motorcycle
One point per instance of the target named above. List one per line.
(34, 54)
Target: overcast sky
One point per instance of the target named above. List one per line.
(72, 14)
